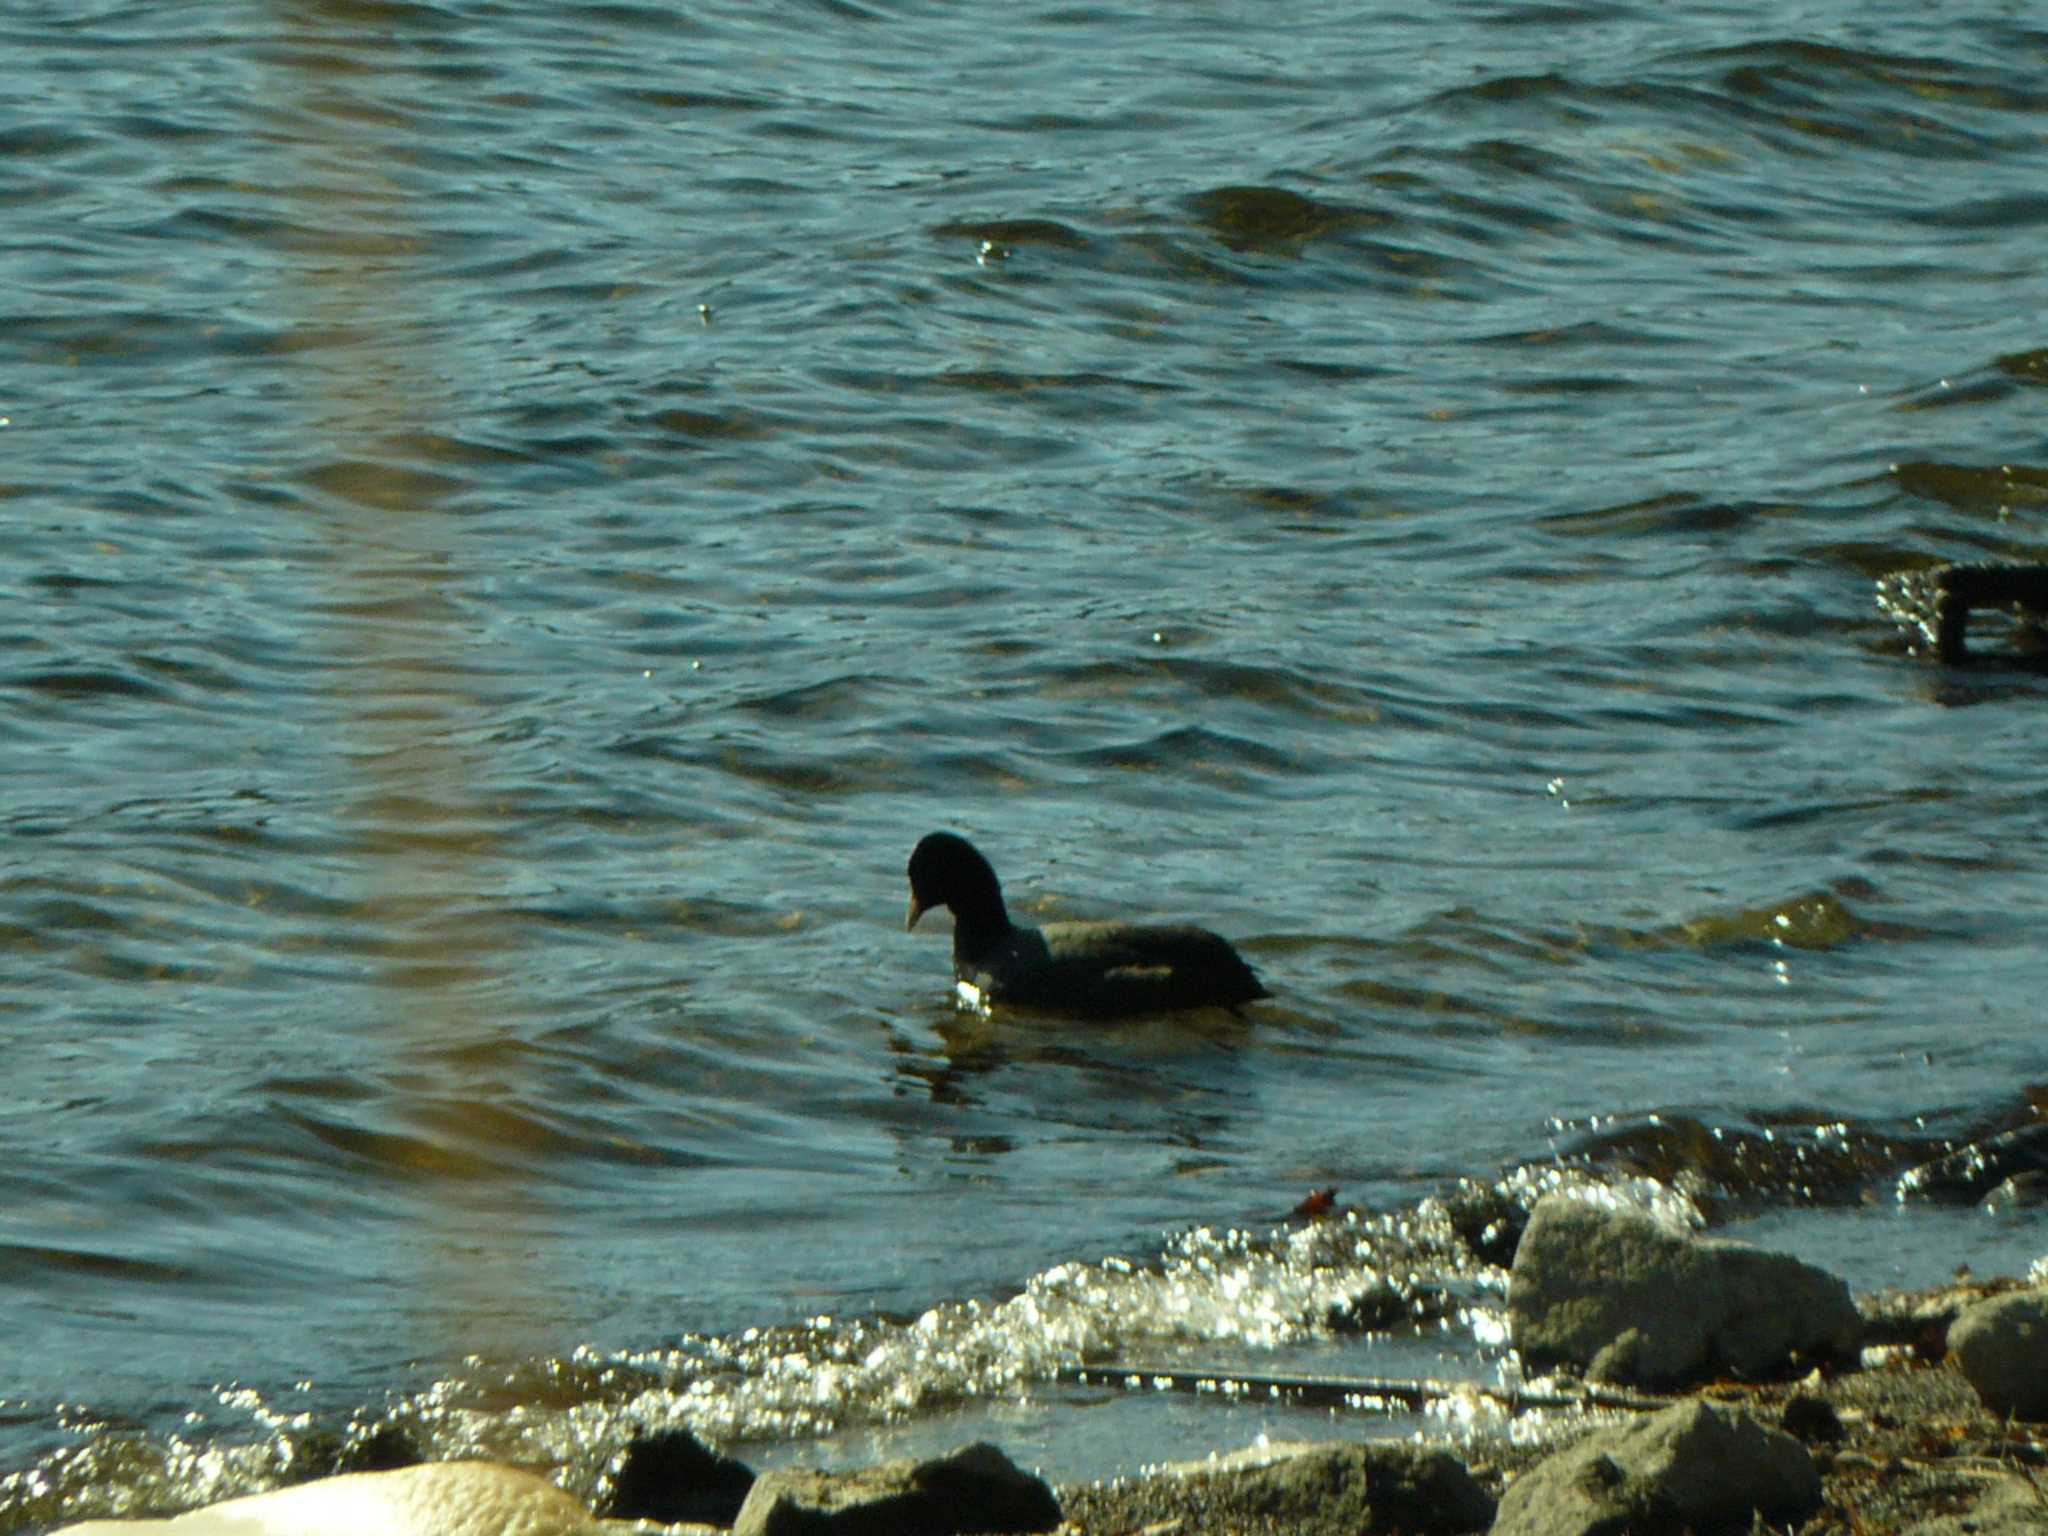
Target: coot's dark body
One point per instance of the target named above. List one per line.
(1095, 970)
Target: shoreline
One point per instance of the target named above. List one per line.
(1899, 1441)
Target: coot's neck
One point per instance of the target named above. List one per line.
(980, 921)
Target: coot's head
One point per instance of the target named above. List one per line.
(946, 871)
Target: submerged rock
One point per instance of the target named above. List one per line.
(2001, 1347)
(1696, 1468)
(976, 1488)
(1639, 1305)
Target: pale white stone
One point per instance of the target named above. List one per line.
(448, 1498)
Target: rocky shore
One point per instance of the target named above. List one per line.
(1759, 1396)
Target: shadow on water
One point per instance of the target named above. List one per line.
(381, 483)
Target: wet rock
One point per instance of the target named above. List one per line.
(384, 1448)
(672, 1477)
(446, 1498)
(976, 1488)
(2001, 1346)
(2021, 1192)
(1696, 1467)
(1738, 1164)
(319, 1451)
(1488, 1220)
(1969, 1173)
(1638, 1304)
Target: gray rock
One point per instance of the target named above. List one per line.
(1350, 1488)
(1696, 1467)
(976, 1488)
(1640, 1305)
(2001, 1346)
(1342, 1489)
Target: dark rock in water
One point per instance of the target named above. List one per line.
(1640, 1305)
(1733, 1162)
(383, 1449)
(1970, 1173)
(1488, 1220)
(670, 1477)
(2001, 1347)
(1937, 603)
(976, 1488)
(1696, 1467)
(319, 1453)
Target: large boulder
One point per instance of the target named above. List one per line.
(976, 1488)
(2001, 1347)
(1638, 1304)
(1695, 1469)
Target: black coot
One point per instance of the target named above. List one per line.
(1097, 970)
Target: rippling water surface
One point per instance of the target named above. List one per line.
(514, 519)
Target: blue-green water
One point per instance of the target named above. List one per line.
(514, 519)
